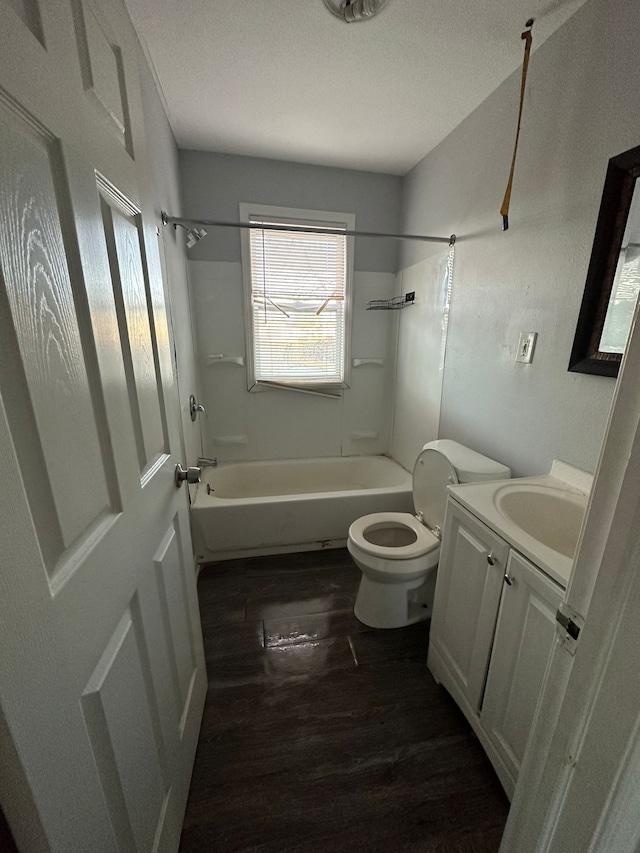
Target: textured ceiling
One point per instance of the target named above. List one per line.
(287, 80)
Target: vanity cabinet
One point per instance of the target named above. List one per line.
(492, 630)
(473, 560)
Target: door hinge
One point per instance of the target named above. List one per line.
(569, 625)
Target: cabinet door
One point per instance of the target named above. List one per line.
(524, 636)
(468, 587)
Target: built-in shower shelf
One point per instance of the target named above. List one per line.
(221, 358)
(230, 439)
(394, 304)
(363, 362)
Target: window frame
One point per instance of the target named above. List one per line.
(311, 218)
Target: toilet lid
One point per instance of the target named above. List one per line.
(432, 474)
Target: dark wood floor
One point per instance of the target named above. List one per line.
(322, 735)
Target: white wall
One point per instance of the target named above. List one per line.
(278, 424)
(580, 109)
(274, 424)
(422, 338)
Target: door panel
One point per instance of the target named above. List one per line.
(29, 13)
(102, 676)
(123, 237)
(41, 319)
(176, 617)
(102, 69)
(119, 720)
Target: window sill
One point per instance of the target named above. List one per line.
(331, 391)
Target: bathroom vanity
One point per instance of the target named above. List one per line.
(507, 553)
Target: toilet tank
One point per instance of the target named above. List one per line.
(471, 467)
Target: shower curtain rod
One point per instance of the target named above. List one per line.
(194, 223)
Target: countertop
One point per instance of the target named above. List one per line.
(479, 499)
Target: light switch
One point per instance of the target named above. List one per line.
(526, 346)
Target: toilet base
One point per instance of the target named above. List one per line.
(395, 605)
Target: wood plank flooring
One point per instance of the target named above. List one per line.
(321, 735)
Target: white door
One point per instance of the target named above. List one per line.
(580, 778)
(524, 636)
(469, 582)
(102, 675)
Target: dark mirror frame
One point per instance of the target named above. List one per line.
(617, 195)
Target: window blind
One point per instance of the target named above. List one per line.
(298, 293)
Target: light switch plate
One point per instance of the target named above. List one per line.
(526, 346)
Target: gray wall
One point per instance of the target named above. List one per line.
(213, 185)
(581, 108)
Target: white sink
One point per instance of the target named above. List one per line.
(551, 516)
(540, 516)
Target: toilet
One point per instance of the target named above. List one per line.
(398, 552)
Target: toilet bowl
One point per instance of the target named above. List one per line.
(398, 552)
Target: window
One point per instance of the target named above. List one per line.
(297, 298)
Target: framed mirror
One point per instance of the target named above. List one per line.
(613, 277)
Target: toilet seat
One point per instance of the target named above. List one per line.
(425, 540)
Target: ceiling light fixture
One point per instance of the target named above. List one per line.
(355, 10)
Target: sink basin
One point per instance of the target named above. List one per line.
(551, 516)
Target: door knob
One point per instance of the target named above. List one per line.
(491, 559)
(508, 578)
(191, 475)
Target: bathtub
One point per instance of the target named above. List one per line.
(275, 507)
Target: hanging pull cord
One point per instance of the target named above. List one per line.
(504, 210)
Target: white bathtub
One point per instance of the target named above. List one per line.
(276, 507)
